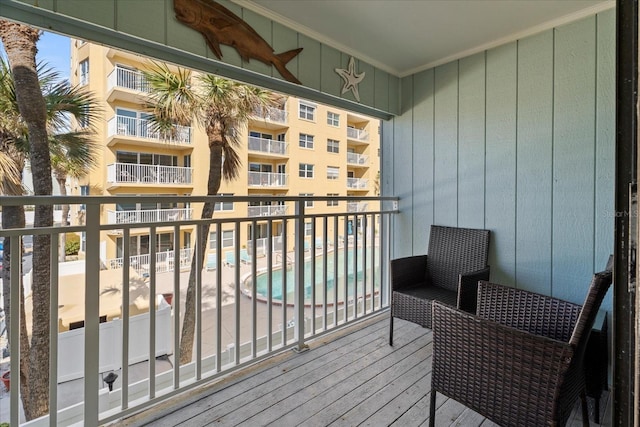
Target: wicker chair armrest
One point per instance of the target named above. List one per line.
(407, 272)
(475, 357)
(468, 289)
(528, 311)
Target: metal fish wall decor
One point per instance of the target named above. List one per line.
(219, 26)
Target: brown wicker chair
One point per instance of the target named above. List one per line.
(519, 361)
(455, 256)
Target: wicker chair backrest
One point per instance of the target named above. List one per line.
(453, 251)
(597, 290)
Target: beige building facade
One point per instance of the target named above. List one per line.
(300, 148)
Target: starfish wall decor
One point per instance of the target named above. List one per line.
(351, 78)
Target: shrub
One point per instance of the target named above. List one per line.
(72, 244)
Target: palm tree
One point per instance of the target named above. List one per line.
(220, 106)
(33, 109)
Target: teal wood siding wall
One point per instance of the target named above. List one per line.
(520, 140)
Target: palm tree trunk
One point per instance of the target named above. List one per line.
(213, 185)
(20, 45)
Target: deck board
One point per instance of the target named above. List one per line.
(348, 378)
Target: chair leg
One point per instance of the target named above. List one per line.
(391, 330)
(585, 409)
(432, 408)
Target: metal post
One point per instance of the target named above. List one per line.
(299, 278)
(91, 317)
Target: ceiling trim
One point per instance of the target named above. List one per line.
(249, 4)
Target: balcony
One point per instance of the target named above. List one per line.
(267, 179)
(271, 210)
(357, 134)
(357, 184)
(165, 261)
(350, 286)
(149, 215)
(355, 159)
(271, 117)
(121, 128)
(126, 85)
(357, 207)
(269, 147)
(137, 174)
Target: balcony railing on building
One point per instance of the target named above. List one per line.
(267, 146)
(357, 183)
(142, 128)
(358, 134)
(126, 78)
(267, 179)
(134, 173)
(357, 207)
(272, 210)
(149, 215)
(357, 159)
(165, 261)
(304, 281)
(271, 114)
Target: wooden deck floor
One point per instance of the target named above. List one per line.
(349, 378)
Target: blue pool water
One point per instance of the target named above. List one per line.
(262, 279)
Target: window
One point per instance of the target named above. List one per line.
(84, 72)
(307, 228)
(305, 170)
(333, 119)
(83, 120)
(223, 206)
(333, 146)
(306, 141)
(307, 203)
(306, 111)
(332, 202)
(227, 239)
(333, 172)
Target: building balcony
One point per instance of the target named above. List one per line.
(130, 129)
(268, 147)
(355, 134)
(271, 117)
(165, 261)
(149, 215)
(357, 206)
(272, 210)
(355, 159)
(357, 183)
(267, 179)
(137, 174)
(126, 85)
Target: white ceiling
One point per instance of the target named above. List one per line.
(406, 36)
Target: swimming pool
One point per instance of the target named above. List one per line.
(262, 278)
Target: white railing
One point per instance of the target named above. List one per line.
(271, 114)
(359, 134)
(165, 261)
(148, 215)
(357, 159)
(331, 282)
(357, 183)
(269, 146)
(141, 128)
(134, 173)
(267, 179)
(266, 210)
(357, 207)
(128, 79)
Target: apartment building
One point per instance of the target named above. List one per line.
(299, 148)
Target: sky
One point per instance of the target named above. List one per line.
(55, 50)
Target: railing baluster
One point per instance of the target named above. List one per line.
(299, 277)
(152, 311)
(53, 333)
(126, 304)
(91, 316)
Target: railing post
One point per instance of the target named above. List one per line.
(299, 277)
(91, 315)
